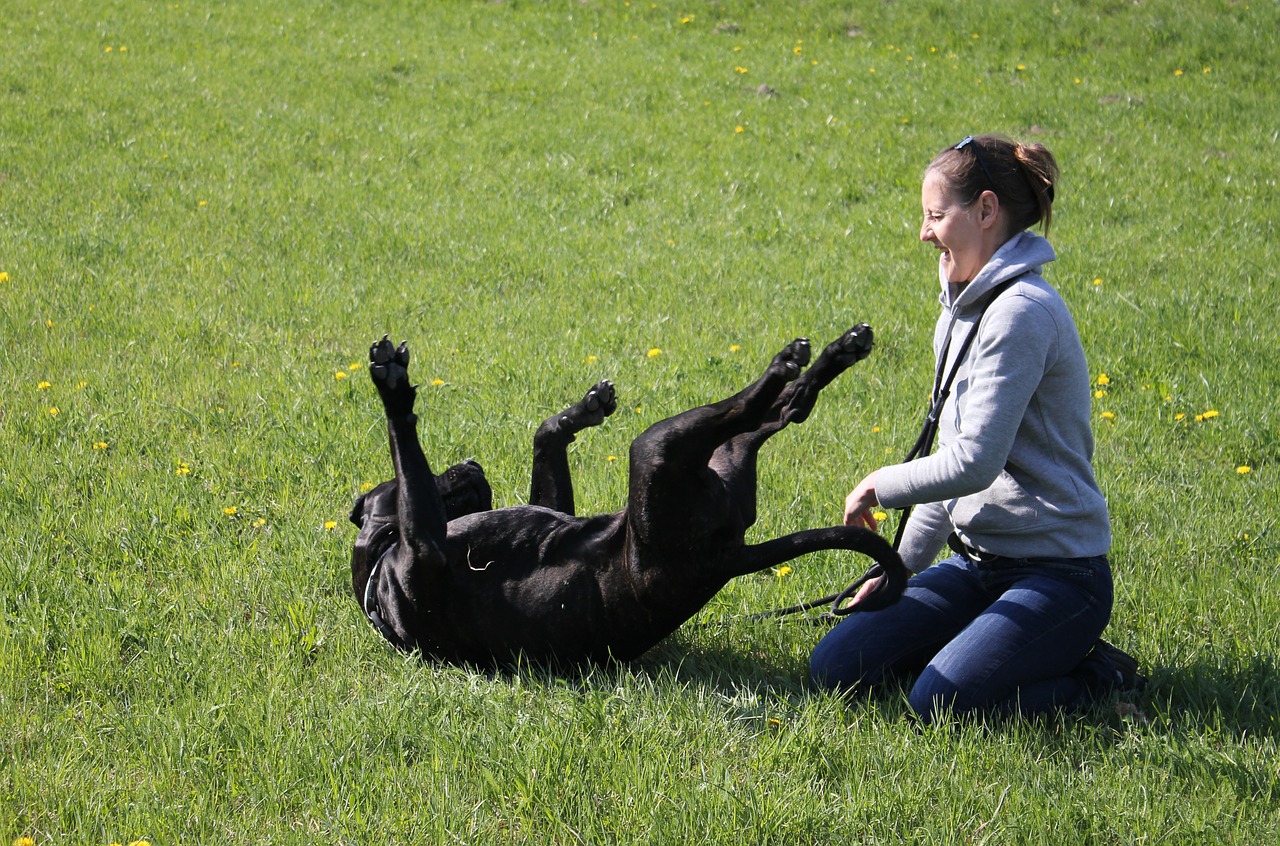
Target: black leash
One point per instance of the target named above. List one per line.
(922, 447)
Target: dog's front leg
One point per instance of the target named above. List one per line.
(419, 506)
(552, 485)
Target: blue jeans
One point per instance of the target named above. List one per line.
(992, 639)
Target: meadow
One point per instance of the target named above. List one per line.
(208, 210)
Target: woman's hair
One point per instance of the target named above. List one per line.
(1021, 175)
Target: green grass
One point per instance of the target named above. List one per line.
(208, 210)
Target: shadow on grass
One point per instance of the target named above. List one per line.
(1239, 698)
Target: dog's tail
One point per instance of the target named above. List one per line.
(771, 553)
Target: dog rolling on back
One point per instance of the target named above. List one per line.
(438, 570)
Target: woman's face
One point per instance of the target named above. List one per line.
(964, 234)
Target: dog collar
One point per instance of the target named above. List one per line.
(370, 604)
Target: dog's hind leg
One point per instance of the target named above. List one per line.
(674, 495)
(420, 509)
(798, 399)
(735, 460)
(552, 484)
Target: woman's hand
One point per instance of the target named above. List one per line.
(859, 504)
(869, 588)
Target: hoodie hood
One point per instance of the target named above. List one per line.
(1023, 253)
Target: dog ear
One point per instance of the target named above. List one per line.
(357, 512)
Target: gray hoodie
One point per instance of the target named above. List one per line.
(1012, 474)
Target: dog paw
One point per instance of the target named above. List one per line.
(599, 403)
(851, 347)
(793, 358)
(389, 369)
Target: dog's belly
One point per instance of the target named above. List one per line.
(543, 582)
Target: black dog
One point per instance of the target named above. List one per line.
(437, 571)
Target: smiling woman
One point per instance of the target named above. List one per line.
(968, 186)
(1011, 622)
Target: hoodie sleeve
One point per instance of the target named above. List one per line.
(1014, 348)
(925, 535)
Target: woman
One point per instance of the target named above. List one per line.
(1010, 623)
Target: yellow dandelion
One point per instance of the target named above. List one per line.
(797, 49)
(1107, 415)
(1243, 469)
(1179, 416)
(1178, 72)
(1099, 394)
(365, 487)
(99, 445)
(259, 523)
(1207, 70)
(1097, 281)
(4, 277)
(43, 386)
(24, 841)
(182, 469)
(437, 382)
(740, 69)
(654, 352)
(355, 365)
(875, 428)
(611, 458)
(330, 525)
(54, 411)
(592, 359)
(48, 324)
(1104, 379)
(739, 129)
(140, 843)
(1208, 415)
(339, 375)
(880, 516)
(686, 19)
(231, 511)
(782, 571)
(734, 348)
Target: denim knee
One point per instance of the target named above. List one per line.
(932, 695)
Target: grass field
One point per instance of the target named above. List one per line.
(209, 209)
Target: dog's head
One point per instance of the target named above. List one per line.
(463, 490)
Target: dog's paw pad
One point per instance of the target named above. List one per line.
(388, 368)
(592, 409)
(857, 342)
(794, 357)
(602, 398)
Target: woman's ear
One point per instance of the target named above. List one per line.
(988, 209)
